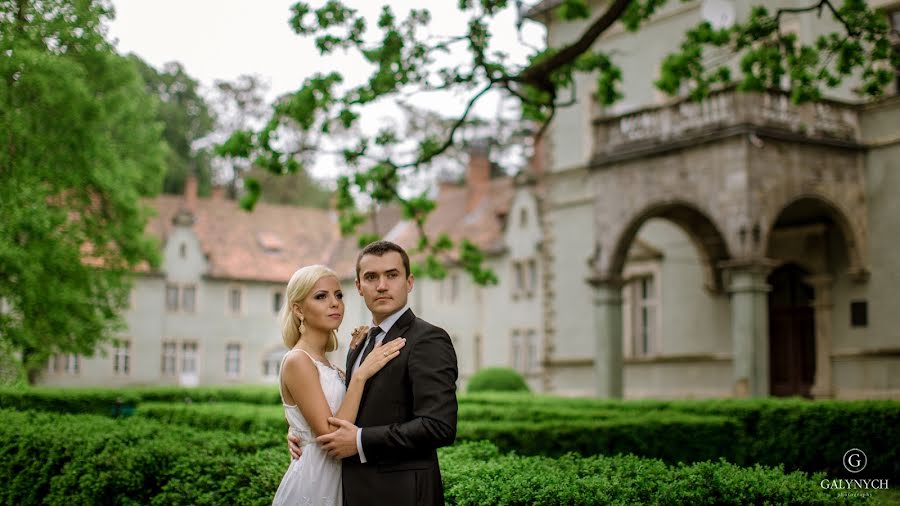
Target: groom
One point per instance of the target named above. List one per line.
(408, 409)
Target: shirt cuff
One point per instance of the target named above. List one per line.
(362, 456)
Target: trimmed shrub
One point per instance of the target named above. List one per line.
(84, 459)
(98, 401)
(230, 416)
(674, 437)
(477, 474)
(497, 379)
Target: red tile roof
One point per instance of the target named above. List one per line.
(272, 241)
(267, 244)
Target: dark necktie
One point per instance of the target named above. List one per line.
(370, 344)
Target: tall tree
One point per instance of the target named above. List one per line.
(186, 117)
(406, 58)
(79, 147)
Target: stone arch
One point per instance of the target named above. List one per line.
(699, 227)
(822, 206)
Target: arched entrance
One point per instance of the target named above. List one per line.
(707, 249)
(814, 244)
(792, 334)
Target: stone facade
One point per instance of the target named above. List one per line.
(756, 187)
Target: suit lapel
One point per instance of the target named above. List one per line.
(400, 326)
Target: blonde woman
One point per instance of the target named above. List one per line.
(312, 389)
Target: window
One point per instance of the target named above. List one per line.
(642, 310)
(520, 277)
(72, 363)
(188, 298)
(515, 351)
(523, 217)
(189, 357)
(234, 300)
(277, 300)
(171, 298)
(859, 313)
(525, 276)
(57, 363)
(233, 360)
(272, 363)
(531, 351)
(454, 287)
(532, 275)
(182, 250)
(169, 356)
(121, 357)
(524, 351)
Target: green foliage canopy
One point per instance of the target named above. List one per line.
(80, 147)
(186, 117)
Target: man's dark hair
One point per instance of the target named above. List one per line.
(379, 248)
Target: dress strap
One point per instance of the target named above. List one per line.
(281, 372)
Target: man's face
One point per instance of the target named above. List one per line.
(383, 284)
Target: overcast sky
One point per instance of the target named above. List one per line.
(223, 39)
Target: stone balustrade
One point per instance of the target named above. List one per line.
(720, 113)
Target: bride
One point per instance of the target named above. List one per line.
(312, 389)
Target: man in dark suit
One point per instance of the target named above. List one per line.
(409, 408)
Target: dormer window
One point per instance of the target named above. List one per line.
(269, 242)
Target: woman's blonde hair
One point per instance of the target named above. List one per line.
(301, 283)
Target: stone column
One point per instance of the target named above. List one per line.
(608, 331)
(750, 326)
(822, 384)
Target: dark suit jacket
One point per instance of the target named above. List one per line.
(407, 411)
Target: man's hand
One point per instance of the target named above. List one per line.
(294, 446)
(342, 442)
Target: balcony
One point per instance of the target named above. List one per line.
(723, 114)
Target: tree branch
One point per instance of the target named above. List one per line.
(456, 125)
(818, 6)
(538, 72)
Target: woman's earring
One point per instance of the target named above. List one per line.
(302, 327)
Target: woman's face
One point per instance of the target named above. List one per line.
(323, 308)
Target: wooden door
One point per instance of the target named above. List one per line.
(792, 333)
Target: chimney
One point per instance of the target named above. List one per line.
(478, 174)
(218, 192)
(190, 193)
(479, 170)
(539, 156)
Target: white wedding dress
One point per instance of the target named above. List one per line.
(315, 478)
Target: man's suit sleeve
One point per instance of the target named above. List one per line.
(432, 372)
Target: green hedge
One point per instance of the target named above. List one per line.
(670, 436)
(248, 394)
(801, 434)
(98, 401)
(217, 416)
(497, 379)
(84, 459)
(673, 437)
(477, 474)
